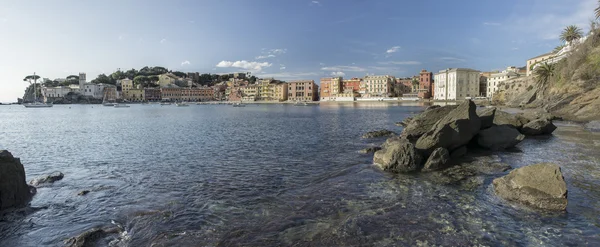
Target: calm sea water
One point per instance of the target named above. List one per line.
(270, 175)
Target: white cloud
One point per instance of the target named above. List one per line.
(243, 64)
(186, 62)
(315, 3)
(491, 24)
(265, 56)
(344, 68)
(401, 62)
(282, 66)
(277, 51)
(162, 41)
(452, 59)
(393, 49)
(338, 73)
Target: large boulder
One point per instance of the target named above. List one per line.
(505, 118)
(378, 133)
(541, 186)
(404, 122)
(538, 127)
(533, 115)
(369, 150)
(455, 129)
(486, 115)
(423, 122)
(499, 137)
(47, 179)
(437, 160)
(397, 156)
(14, 191)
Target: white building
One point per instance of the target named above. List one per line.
(378, 85)
(456, 84)
(51, 94)
(497, 78)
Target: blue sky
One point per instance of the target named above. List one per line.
(285, 39)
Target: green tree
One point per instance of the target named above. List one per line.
(153, 78)
(140, 79)
(157, 70)
(102, 78)
(179, 74)
(571, 33)
(181, 83)
(132, 73)
(252, 79)
(597, 10)
(72, 77)
(544, 72)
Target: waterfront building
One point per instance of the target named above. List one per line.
(134, 95)
(266, 88)
(456, 84)
(235, 94)
(378, 85)
(110, 93)
(351, 85)
(532, 61)
(324, 90)
(170, 92)
(425, 84)
(336, 86)
(302, 90)
(281, 91)
(206, 94)
(126, 84)
(249, 93)
(495, 79)
(51, 94)
(152, 94)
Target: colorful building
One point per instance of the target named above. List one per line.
(325, 91)
(425, 84)
(281, 91)
(456, 84)
(303, 90)
(378, 85)
(352, 85)
(152, 94)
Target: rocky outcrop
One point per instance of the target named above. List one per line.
(91, 237)
(378, 133)
(505, 118)
(14, 191)
(541, 186)
(437, 160)
(499, 137)
(486, 115)
(398, 156)
(431, 107)
(420, 124)
(456, 129)
(538, 127)
(47, 179)
(404, 122)
(369, 150)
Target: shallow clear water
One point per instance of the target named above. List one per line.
(268, 175)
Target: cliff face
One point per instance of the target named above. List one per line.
(572, 92)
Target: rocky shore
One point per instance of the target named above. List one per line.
(14, 191)
(441, 138)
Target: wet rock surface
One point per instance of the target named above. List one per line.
(540, 186)
(47, 179)
(378, 133)
(538, 127)
(14, 191)
(398, 156)
(499, 137)
(421, 123)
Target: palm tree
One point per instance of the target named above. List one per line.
(571, 33)
(558, 48)
(544, 72)
(597, 10)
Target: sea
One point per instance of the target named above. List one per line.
(273, 175)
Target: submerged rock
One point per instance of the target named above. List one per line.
(83, 192)
(459, 152)
(404, 122)
(541, 186)
(369, 150)
(47, 179)
(91, 237)
(538, 127)
(14, 191)
(425, 121)
(499, 137)
(454, 130)
(437, 160)
(378, 133)
(398, 155)
(486, 115)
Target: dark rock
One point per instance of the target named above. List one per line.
(47, 179)
(537, 114)
(538, 127)
(14, 191)
(471, 166)
(91, 237)
(499, 137)
(437, 160)
(369, 150)
(454, 130)
(83, 192)
(378, 133)
(431, 107)
(398, 155)
(459, 152)
(404, 122)
(541, 186)
(425, 121)
(505, 118)
(486, 115)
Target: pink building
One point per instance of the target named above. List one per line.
(304, 90)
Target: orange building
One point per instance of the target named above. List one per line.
(352, 85)
(425, 90)
(324, 90)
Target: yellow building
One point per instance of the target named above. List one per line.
(281, 91)
(133, 94)
(166, 79)
(249, 93)
(126, 84)
(266, 88)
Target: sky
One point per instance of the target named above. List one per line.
(284, 39)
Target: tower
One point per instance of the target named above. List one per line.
(81, 81)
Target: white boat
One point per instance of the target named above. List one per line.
(239, 105)
(108, 104)
(165, 103)
(300, 104)
(36, 103)
(120, 105)
(181, 104)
